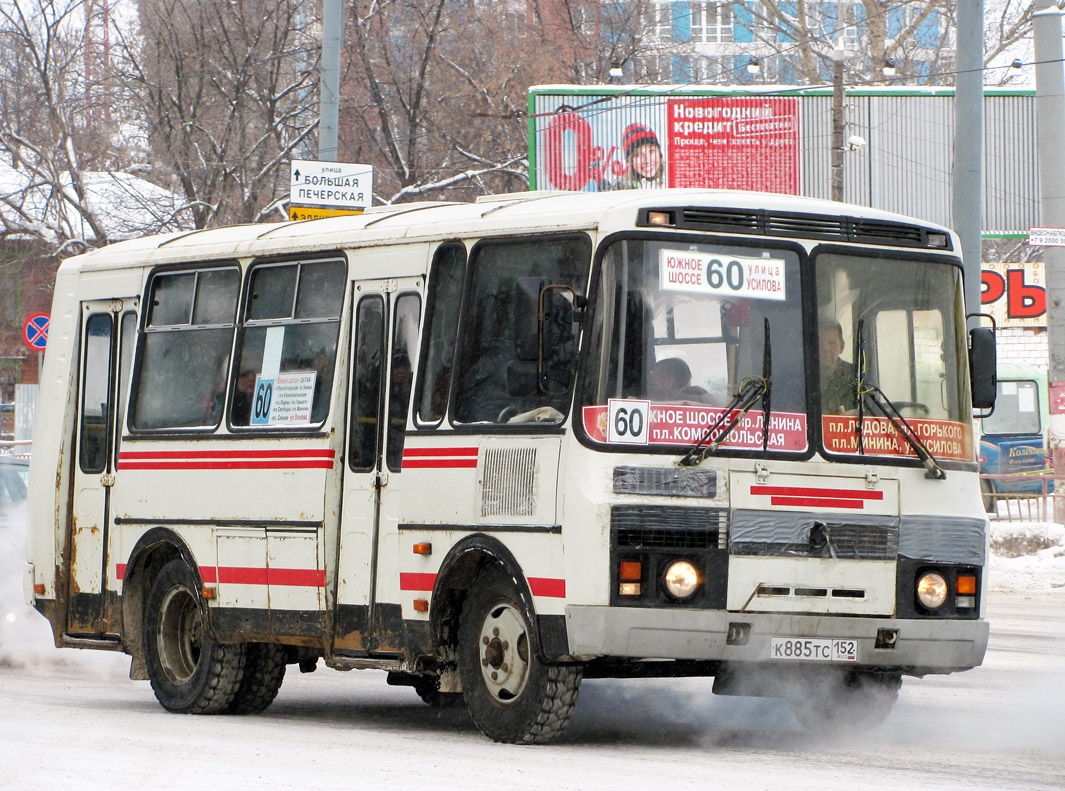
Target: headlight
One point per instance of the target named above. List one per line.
(932, 590)
(682, 580)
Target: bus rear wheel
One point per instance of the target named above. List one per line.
(264, 670)
(834, 704)
(189, 672)
(511, 695)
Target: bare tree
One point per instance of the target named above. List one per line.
(226, 91)
(60, 166)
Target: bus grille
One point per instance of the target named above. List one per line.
(810, 226)
(838, 540)
(508, 482)
(668, 527)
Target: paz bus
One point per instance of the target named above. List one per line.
(1013, 439)
(493, 448)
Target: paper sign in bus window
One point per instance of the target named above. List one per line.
(727, 275)
(275, 341)
(285, 400)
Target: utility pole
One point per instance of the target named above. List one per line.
(329, 88)
(1050, 137)
(839, 128)
(969, 146)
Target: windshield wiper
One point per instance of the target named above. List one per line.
(905, 430)
(888, 410)
(751, 389)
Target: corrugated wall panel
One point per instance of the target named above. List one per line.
(905, 165)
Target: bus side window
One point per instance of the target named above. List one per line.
(442, 322)
(288, 345)
(404, 341)
(183, 361)
(488, 336)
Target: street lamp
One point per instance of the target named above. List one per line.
(754, 67)
(889, 68)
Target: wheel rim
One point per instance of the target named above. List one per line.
(504, 651)
(180, 635)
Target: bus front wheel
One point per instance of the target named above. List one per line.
(987, 492)
(189, 672)
(846, 702)
(511, 695)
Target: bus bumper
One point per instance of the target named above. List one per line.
(917, 646)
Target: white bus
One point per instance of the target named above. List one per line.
(493, 448)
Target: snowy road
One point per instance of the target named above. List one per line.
(84, 725)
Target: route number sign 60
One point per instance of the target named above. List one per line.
(627, 421)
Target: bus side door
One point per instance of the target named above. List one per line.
(108, 329)
(384, 344)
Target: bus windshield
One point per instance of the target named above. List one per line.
(897, 326)
(679, 328)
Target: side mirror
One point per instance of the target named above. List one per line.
(559, 339)
(983, 367)
(527, 292)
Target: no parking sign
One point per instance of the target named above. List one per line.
(35, 333)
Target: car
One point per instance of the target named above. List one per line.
(14, 484)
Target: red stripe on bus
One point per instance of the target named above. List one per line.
(304, 453)
(410, 581)
(407, 452)
(310, 464)
(803, 491)
(542, 586)
(439, 463)
(308, 578)
(826, 502)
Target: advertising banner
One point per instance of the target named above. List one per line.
(1015, 294)
(625, 142)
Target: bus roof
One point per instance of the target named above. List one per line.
(523, 212)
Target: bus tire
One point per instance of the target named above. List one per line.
(189, 672)
(849, 702)
(264, 670)
(987, 492)
(511, 695)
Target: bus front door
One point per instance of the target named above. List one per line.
(384, 344)
(107, 334)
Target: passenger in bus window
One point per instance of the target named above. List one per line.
(243, 397)
(670, 380)
(838, 377)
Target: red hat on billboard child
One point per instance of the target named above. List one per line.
(637, 135)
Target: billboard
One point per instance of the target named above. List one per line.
(623, 142)
(1015, 293)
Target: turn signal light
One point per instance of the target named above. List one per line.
(421, 605)
(423, 549)
(629, 589)
(208, 591)
(38, 588)
(966, 584)
(630, 570)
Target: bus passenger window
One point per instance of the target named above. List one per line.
(180, 377)
(404, 341)
(287, 352)
(441, 321)
(488, 339)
